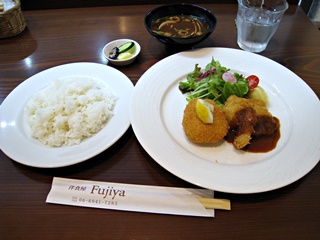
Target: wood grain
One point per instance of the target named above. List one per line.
(55, 37)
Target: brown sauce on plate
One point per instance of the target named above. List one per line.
(259, 144)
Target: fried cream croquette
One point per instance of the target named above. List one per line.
(199, 132)
(244, 115)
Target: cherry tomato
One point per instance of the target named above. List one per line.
(253, 81)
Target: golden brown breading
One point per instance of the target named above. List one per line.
(245, 120)
(199, 132)
(243, 114)
(235, 104)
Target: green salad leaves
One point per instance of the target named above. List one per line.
(215, 82)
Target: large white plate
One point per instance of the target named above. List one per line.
(157, 110)
(16, 143)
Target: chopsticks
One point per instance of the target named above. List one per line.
(214, 203)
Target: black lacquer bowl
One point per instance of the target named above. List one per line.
(175, 43)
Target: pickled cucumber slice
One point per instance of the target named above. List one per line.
(125, 47)
(123, 56)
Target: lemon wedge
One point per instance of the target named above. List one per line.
(260, 94)
(204, 111)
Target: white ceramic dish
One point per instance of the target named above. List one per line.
(116, 43)
(156, 113)
(16, 143)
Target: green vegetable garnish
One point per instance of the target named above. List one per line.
(125, 47)
(216, 83)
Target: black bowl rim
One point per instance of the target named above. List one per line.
(179, 4)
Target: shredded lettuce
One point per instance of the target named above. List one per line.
(209, 84)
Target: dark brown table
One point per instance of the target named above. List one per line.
(55, 37)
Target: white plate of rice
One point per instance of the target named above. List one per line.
(90, 102)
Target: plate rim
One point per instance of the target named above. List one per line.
(85, 66)
(164, 163)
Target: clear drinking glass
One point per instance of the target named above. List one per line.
(257, 21)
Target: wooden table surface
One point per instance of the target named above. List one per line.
(55, 37)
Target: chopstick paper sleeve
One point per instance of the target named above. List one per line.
(130, 197)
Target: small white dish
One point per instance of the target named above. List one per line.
(116, 43)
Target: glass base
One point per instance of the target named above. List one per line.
(256, 48)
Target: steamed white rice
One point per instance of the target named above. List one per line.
(69, 110)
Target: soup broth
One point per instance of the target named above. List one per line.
(180, 26)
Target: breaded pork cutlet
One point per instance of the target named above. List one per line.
(248, 117)
(199, 132)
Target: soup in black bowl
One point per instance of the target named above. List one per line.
(180, 26)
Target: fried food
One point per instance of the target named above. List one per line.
(249, 117)
(199, 132)
(244, 120)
